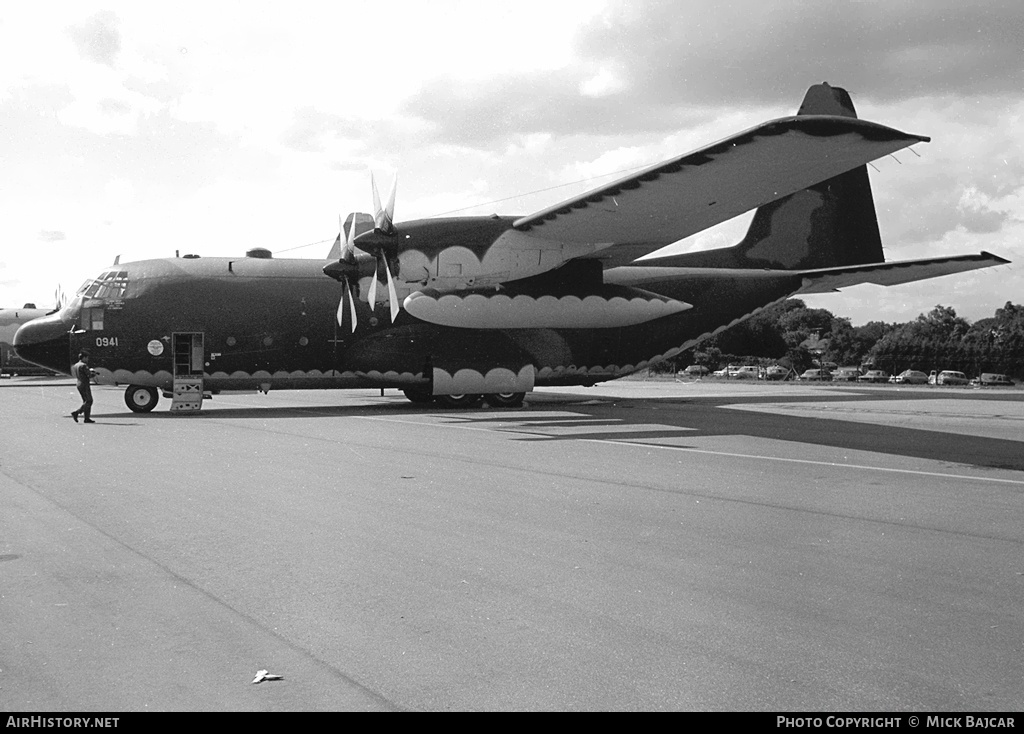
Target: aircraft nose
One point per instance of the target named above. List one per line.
(45, 341)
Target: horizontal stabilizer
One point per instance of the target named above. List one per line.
(685, 195)
(827, 280)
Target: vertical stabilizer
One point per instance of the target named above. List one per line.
(824, 99)
(363, 223)
(830, 224)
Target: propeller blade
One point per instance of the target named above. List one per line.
(347, 294)
(389, 210)
(373, 287)
(392, 295)
(377, 210)
(341, 305)
(350, 238)
(351, 304)
(384, 217)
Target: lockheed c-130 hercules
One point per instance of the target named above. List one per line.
(473, 308)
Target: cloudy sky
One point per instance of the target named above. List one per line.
(137, 130)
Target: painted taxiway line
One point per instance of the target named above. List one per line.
(834, 464)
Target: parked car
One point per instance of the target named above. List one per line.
(747, 372)
(992, 379)
(947, 377)
(776, 372)
(910, 377)
(845, 374)
(874, 376)
(817, 374)
(696, 370)
(724, 372)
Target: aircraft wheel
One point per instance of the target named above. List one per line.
(418, 396)
(140, 398)
(459, 401)
(505, 399)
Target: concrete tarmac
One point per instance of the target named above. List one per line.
(634, 546)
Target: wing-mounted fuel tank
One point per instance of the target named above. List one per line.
(602, 306)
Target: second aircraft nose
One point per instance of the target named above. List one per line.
(45, 341)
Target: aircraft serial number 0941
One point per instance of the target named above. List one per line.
(106, 341)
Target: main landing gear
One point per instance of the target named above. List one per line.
(495, 400)
(505, 399)
(141, 398)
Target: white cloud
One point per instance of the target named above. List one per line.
(98, 38)
(976, 212)
(603, 84)
(118, 114)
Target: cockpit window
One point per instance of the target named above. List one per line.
(92, 319)
(111, 284)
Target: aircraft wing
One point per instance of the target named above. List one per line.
(674, 199)
(827, 280)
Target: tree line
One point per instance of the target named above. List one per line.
(798, 337)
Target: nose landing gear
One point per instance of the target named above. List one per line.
(141, 398)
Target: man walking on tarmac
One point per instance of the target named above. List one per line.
(82, 375)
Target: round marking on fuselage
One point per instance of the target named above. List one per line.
(155, 347)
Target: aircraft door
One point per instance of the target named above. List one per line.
(189, 361)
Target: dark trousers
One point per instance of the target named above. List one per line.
(86, 392)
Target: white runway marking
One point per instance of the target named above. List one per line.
(837, 464)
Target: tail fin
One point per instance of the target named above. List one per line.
(363, 223)
(827, 225)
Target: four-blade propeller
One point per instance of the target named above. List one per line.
(348, 273)
(346, 269)
(384, 224)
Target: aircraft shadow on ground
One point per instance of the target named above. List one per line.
(697, 417)
(375, 410)
(674, 418)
